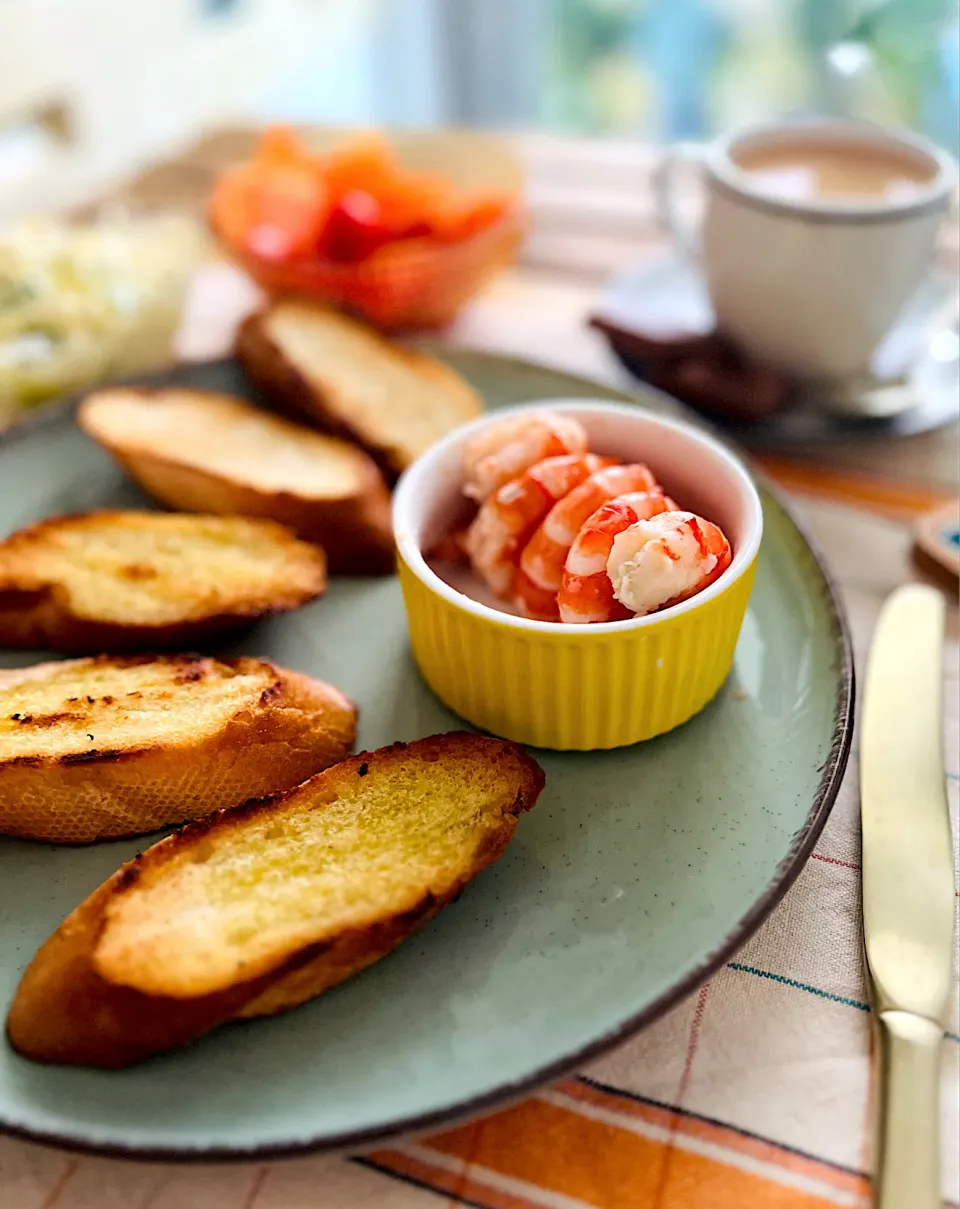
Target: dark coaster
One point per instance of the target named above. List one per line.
(659, 323)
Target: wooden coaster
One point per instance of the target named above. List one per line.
(938, 536)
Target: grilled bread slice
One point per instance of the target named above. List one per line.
(258, 908)
(198, 451)
(65, 1012)
(341, 376)
(93, 749)
(121, 581)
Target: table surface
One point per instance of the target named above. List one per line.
(861, 501)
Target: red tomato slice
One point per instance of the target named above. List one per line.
(356, 227)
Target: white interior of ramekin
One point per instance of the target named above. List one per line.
(700, 474)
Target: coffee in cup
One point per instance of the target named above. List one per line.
(822, 170)
(814, 237)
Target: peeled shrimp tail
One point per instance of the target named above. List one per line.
(665, 560)
(586, 591)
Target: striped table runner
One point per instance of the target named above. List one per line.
(755, 1092)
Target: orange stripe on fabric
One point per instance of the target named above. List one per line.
(696, 1182)
(447, 1181)
(867, 491)
(718, 1135)
(610, 1167)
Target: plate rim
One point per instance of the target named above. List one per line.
(828, 786)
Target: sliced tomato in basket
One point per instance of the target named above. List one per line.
(466, 215)
(356, 227)
(276, 212)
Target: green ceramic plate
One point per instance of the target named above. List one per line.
(636, 876)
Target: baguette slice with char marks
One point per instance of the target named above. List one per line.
(93, 749)
(199, 451)
(259, 908)
(121, 581)
(343, 377)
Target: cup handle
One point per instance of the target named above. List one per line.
(685, 235)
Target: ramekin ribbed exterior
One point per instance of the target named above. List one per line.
(573, 688)
(579, 687)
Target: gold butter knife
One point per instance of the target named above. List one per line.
(908, 889)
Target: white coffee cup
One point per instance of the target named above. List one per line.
(809, 285)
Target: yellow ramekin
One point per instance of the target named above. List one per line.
(580, 687)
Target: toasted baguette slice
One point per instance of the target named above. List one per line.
(197, 451)
(261, 907)
(119, 581)
(93, 749)
(343, 377)
(65, 1012)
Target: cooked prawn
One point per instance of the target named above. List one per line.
(502, 452)
(541, 563)
(507, 518)
(587, 592)
(540, 604)
(661, 561)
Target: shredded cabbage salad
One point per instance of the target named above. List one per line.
(82, 303)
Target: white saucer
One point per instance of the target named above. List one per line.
(915, 371)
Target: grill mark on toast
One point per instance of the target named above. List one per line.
(106, 754)
(183, 669)
(44, 720)
(137, 572)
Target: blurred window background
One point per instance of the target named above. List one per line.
(655, 69)
(91, 90)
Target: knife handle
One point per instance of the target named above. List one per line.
(908, 1151)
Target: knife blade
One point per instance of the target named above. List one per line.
(908, 888)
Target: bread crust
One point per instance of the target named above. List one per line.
(36, 611)
(66, 1011)
(288, 389)
(287, 727)
(354, 530)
